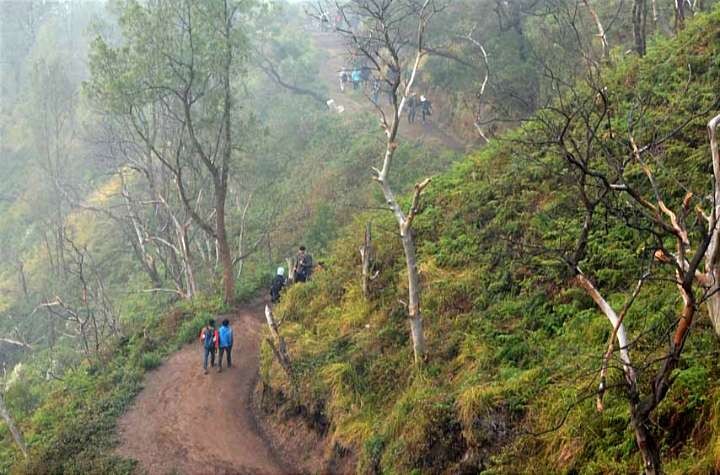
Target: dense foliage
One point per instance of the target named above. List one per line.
(96, 243)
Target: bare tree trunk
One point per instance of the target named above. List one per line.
(16, 434)
(649, 450)
(639, 15)
(182, 232)
(22, 278)
(711, 279)
(277, 344)
(138, 243)
(601, 30)
(366, 256)
(416, 325)
(290, 266)
(224, 251)
(679, 15)
(224, 248)
(655, 12)
(390, 123)
(241, 234)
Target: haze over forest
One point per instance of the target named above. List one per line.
(359, 236)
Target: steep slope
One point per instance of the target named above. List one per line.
(514, 347)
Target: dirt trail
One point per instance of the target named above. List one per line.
(354, 101)
(190, 423)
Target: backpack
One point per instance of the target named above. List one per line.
(209, 336)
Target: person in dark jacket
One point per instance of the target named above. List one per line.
(303, 265)
(209, 338)
(225, 338)
(278, 284)
(425, 107)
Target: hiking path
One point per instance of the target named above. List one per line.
(186, 422)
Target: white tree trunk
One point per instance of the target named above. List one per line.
(712, 255)
(612, 316)
(278, 346)
(366, 256)
(601, 30)
(414, 314)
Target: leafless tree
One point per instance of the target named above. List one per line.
(599, 160)
(679, 15)
(390, 36)
(639, 22)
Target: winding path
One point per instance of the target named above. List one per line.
(190, 423)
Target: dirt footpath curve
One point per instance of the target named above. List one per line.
(189, 423)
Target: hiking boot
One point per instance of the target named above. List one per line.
(219, 370)
(205, 371)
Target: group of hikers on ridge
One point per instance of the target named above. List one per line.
(214, 341)
(220, 341)
(361, 76)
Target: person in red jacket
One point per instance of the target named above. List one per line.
(210, 339)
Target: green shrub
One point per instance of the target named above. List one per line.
(151, 361)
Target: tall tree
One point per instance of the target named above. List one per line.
(182, 70)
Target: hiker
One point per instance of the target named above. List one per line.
(412, 105)
(375, 86)
(425, 107)
(338, 19)
(303, 265)
(365, 74)
(210, 339)
(226, 343)
(277, 285)
(344, 79)
(356, 78)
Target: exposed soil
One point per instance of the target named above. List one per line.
(187, 422)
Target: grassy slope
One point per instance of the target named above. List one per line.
(514, 349)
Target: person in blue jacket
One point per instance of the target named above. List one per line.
(226, 343)
(356, 77)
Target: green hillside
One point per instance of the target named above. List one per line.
(163, 158)
(514, 348)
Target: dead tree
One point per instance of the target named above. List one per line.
(366, 259)
(483, 85)
(601, 29)
(278, 346)
(599, 159)
(393, 42)
(679, 15)
(710, 278)
(639, 22)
